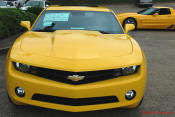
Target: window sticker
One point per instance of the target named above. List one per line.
(47, 24)
(54, 17)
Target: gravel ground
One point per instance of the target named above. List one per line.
(159, 47)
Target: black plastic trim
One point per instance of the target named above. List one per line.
(75, 101)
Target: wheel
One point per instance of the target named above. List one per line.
(173, 27)
(130, 21)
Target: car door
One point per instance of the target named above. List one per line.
(161, 20)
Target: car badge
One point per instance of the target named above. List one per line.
(75, 78)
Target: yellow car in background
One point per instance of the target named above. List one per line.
(150, 18)
(76, 58)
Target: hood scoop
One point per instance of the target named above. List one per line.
(76, 44)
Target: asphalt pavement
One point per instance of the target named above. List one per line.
(159, 47)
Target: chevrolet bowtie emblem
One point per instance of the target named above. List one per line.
(75, 78)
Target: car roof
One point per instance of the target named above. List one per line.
(79, 8)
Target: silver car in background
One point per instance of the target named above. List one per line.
(3, 4)
(143, 3)
(35, 3)
(17, 3)
(6, 4)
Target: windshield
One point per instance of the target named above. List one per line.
(104, 22)
(2, 3)
(35, 3)
(148, 11)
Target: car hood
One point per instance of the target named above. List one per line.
(76, 44)
(76, 50)
(127, 14)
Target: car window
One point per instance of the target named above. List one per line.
(79, 20)
(148, 11)
(164, 11)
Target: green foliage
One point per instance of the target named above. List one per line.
(35, 10)
(10, 21)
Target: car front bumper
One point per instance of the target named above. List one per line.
(116, 87)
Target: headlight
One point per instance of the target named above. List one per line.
(129, 70)
(22, 67)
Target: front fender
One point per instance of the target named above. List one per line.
(123, 18)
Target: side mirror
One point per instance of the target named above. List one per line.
(129, 27)
(25, 24)
(47, 5)
(8, 5)
(155, 14)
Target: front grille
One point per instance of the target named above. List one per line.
(89, 76)
(75, 101)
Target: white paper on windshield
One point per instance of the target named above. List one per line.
(54, 17)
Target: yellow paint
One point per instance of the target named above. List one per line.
(129, 27)
(150, 21)
(25, 24)
(76, 50)
(81, 8)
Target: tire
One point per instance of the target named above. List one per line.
(130, 21)
(173, 28)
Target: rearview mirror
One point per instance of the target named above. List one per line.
(25, 24)
(155, 14)
(129, 27)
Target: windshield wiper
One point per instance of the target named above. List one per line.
(42, 30)
(104, 32)
(47, 28)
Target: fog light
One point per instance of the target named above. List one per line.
(20, 92)
(130, 95)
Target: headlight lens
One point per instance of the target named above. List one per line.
(129, 70)
(22, 67)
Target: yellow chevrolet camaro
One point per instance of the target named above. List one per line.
(151, 18)
(76, 58)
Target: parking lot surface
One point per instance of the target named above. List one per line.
(159, 47)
